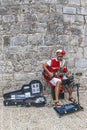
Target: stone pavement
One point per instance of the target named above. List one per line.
(43, 118)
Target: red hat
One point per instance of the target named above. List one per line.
(61, 51)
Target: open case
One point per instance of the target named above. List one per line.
(29, 95)
(71, 107)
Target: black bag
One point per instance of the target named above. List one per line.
(29, 94)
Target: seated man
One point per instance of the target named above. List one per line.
(52, 73)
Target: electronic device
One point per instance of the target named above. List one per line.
(69, 108)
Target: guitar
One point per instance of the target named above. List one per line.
(57, 72)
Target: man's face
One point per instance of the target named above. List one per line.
(59, 56)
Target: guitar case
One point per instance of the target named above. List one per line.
(29, 95)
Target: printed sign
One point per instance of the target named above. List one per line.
(35, 88)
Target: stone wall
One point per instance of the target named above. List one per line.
(30, 33)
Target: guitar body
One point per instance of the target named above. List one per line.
(46, 76)
(54, 68)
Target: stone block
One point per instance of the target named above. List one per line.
(14, 9)
(35, 39)
(74, 3)
(23, 1)
(62, 2)
(74, 40)
(68, 18)
(79, 19)
(26, 28)
(58, 18)
(82, 10)
(76, 31)
(8, 18)
(46, 1)
(55, 28)
(18, 40)
(40, 28)
(42, 18)
(69, 10)
(35, 8)
(15, 28)
(60, 40)
(82, 63)
(59, 9)
(84, 3)
(3, 11)
(20, 17)
(7, 2)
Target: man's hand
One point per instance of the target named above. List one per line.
(69, 75)
(51, 74)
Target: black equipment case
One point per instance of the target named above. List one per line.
(29, 95)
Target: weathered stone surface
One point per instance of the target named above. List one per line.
(47, 1)
(41, 118)
(81, 63)
(18, 40)
(74, 2)
(6, 41)
(56, 40)
(84, 3)
(85, 19)
(3, 11)
(69, 10)
(63, 2)
(35, 39)
(55, 28)
(82, 11)
(76, 31)
(74, 19)
(78, 19)
(68, 18)
(40, 28)
(84, 42)
(30, 33)
(59, 8)
(85, 52)
(8, 18)
(7, 2)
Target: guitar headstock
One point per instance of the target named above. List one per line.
(78, 74)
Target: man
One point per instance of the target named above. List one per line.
(52, 70)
